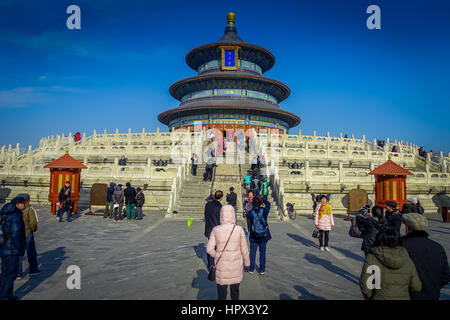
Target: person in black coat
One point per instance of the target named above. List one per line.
(393, 216)
(212, 218)
(14, 247)
(369, 225)
(232, 200)
(109, 208)
(428, 256)
(65, 202)
(130, 201)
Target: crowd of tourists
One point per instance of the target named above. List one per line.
(412, 266)
(116, 197)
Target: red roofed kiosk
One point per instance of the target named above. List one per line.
(390, 184)
(62, 170)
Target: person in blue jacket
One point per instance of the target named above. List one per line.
(14, 247)
(109, 208)
(259, 232)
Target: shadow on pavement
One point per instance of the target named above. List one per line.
(332, 268)
(304, 241)
(349, 254)
(306, 295)
(200, 251)
(50, 262)
(207, 289)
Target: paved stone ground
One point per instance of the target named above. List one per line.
(158, 258)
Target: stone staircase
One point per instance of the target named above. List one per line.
(194, 191)
(275, 211)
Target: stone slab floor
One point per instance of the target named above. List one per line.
(158, 258)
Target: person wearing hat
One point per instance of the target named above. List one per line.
(65, 202)
(31, 222)
(14, 247)
(397, 275)
(393, 216)
(428, 256)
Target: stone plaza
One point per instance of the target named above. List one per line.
(160, 258)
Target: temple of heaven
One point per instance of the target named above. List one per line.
(229, 91)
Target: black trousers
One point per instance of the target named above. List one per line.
(10, 268)
(194, 170)
(222, 292)
(321, 236)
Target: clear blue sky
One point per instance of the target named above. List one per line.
(115, 72)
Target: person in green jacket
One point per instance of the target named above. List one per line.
(265, 188)
(397, 272)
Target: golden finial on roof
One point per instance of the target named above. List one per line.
(389, 157)
(230, 17)
(67, 151)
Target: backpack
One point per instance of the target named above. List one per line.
(3, 235)
(259, 227)
(354, 231)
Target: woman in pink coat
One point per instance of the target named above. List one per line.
(229, 269)
(324, 222)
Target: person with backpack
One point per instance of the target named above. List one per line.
(228, 247)
(259, 233)
(140, 200)
(369, 225)
(109, 208)
(12, 245)
(65, 202)
(324, 221)
(31, 223)
(118, 197)
(130, 202)
(397, 273)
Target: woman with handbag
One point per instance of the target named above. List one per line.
(228, 246)
(324, 221)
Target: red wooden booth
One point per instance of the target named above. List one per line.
(62, 170)
(390, 184)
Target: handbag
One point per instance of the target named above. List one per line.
(315, 233)
(354, 231)
(212, 270)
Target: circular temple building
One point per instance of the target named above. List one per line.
(229, 91)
